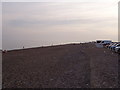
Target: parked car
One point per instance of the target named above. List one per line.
(108, 46)
(98, 41)
(114, 46)
(117, 49)
(105, 42)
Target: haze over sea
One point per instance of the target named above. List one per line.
(35, 24)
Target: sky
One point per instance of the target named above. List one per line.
(0, 25)
(32, 24)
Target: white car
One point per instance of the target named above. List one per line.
(117, 49)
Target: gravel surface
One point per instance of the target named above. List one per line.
(0, 70)
(63, 66)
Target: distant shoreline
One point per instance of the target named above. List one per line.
(25, 48)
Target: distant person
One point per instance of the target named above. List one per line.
(4, 51)
(23, 47)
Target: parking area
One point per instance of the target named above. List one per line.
(63, 66)
(113, 46)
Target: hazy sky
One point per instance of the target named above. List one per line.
(0, 25)
(44, 23)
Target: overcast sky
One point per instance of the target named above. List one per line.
(0, 25)
(34, 24)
